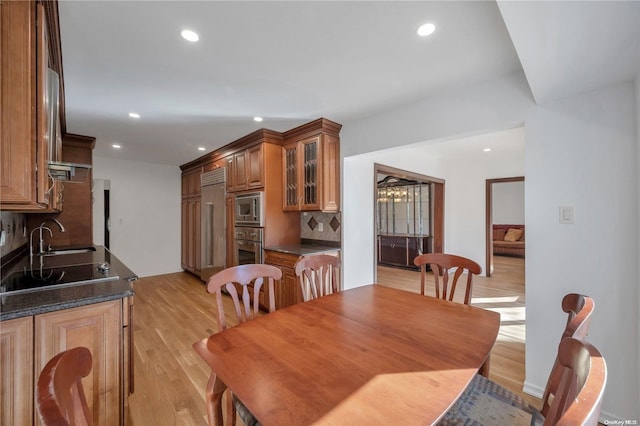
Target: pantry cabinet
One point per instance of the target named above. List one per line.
(191, 221)
(25, 134)
(311, 168)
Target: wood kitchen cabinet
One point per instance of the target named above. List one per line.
(287, 291)
(25, 33)
(16, 371)
(245, 169)
(311, 167)
(191, 221)
(28, 343)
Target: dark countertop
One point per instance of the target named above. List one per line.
(303, 249)
(48, 299)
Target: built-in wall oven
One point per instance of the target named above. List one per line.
(248, 245)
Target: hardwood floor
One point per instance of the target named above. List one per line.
(503, 292)
(173, 311)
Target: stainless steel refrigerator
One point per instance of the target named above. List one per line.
(213, 241)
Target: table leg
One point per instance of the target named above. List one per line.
(215, 389)
(484, 369)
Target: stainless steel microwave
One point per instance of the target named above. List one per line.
(249, 209)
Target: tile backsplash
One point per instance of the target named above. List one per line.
(14, 231)
(320, 226)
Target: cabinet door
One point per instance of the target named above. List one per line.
(309, 170)
(240, 171)
(184, 240)
(230, 206)
(16, 371)
(393, 250)
(330, 185)
(290, 173)
(99, 328)
(254, 167)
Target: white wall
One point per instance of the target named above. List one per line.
(508, 203)
(582, 152)
(145, 214)
(464, 167)
(637, 85)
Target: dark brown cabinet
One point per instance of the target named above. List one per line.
(288, 290)
(245, 170)
(400, 251)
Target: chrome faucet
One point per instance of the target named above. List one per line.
(41, 240)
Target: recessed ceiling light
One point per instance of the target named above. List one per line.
(487, 149)
(190, 36)
(116, 146)
(258, 119)
(134, 115)
(201, 148)
(426, 29)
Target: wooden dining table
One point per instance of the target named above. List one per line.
(368, 355)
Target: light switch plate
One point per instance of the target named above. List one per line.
(566, 214)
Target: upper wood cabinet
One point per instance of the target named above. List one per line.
(311, 169)
(245, 169)
(191, 186)
(25, 55)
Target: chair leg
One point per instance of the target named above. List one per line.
(215, 389)
(230, 419)
(484, 369)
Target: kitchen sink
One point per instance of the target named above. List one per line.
(78, 250)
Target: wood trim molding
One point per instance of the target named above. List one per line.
(80, 141)
(489, 219)
(321, 125)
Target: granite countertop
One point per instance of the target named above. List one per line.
(304, 248)
(53, 298)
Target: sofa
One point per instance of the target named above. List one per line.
(508, 240)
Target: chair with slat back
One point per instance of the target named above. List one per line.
(250, 279)
(440, 264)
(578, 369)
(579, 309)
(318, 274)
(60, 396)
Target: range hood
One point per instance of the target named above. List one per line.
(69, 172)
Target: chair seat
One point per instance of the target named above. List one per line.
(486, 403)
(243, 412)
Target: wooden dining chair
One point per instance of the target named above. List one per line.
(59, 396)
(250, 279)
(440, 264)
(583, 373)
(318, 274)
(579, 309)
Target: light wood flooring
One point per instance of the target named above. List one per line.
(173, 311)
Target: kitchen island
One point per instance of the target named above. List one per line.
(46, 308)
(288, 292)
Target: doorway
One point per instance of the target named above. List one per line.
(416, 227)
(510, 201)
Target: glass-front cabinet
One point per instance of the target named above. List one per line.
(404, 222)
(312, 174)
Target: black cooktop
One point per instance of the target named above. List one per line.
(35, 278)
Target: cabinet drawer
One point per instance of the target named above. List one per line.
(280, 259)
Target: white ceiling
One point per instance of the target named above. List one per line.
(294, 61)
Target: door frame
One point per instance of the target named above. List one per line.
(489, 218)
(437, 207)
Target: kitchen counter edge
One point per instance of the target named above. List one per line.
(54, 299)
